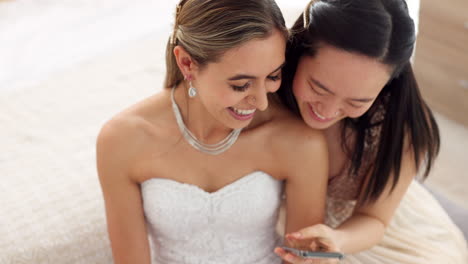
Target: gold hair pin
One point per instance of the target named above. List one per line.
(174, 33)
(306, 14)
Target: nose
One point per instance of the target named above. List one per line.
(259, 99)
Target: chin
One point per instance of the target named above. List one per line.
(319, 125)
(237, 124)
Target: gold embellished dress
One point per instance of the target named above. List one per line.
(419, 232)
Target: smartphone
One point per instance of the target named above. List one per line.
(314, 254)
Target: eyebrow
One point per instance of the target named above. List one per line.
(323, 87)
(245, 76)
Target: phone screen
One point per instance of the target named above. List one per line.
(314, 254)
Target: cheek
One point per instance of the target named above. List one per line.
(226, 97)
(300, 90)
(213, 99)
(215, 94)
(223, 100)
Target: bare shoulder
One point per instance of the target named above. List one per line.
(295, 135)
(122, 132)
(297, 145)
(122, 139)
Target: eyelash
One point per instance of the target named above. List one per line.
(315, 91)
(246, 86)
(320, 94)
(355, 106)
(275, 78)
(240, 88)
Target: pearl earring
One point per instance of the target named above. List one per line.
(192, 91)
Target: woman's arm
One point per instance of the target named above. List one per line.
(124, 211)
(367, 225)
(364, 229)
(306, 166)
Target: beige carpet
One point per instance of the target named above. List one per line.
(450, 173)
(52, 207)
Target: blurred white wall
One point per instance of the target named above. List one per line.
(41, 37)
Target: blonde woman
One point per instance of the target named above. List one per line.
(189, 175)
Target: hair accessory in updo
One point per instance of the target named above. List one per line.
(306, 14)
(176, 23)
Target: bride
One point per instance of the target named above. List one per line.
(189, 175)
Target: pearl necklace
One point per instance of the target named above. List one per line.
(212, 149)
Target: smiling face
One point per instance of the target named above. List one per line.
(236, 86)
(335, 84)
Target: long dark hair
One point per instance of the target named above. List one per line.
(380, 29)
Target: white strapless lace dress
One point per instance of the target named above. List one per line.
(235, 224)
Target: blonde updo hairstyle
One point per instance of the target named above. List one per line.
(206, 29)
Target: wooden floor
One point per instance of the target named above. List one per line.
(441, 62)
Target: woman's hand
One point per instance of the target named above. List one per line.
(315, 238)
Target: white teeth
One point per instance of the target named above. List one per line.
(317, 114)
(243, 112)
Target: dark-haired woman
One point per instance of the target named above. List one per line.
(348, 73)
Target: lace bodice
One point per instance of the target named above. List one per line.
(235, 224)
